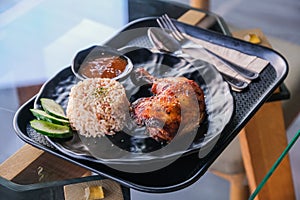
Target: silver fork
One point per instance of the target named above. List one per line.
(166, 24)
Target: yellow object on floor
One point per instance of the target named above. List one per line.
(105, 189)
(253, 38)
(94, 193)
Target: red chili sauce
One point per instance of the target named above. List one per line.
(105, 67)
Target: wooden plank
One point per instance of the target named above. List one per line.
(19, 161)
(192, 17)
(262, 141)
(30, 165)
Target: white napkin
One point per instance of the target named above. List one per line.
(250, 62)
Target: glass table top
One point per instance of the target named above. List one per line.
(40, 38)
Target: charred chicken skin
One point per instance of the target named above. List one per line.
(177, 106)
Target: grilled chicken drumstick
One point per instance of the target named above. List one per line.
(176, 106)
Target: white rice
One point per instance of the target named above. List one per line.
(97, 106)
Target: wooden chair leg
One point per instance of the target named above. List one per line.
(239, 189)
(262, 141)
(201, 4)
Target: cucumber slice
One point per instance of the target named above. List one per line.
(50, 129)
(42, 115)
(53, 108)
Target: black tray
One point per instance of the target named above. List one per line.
(190, 168)
(132, 150)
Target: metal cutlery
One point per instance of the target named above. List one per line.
(166, 24)
(165, 43)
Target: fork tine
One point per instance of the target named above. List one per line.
(161, 25)
(166, 24)
(173, 27)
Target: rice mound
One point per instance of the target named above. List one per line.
(97, 106)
